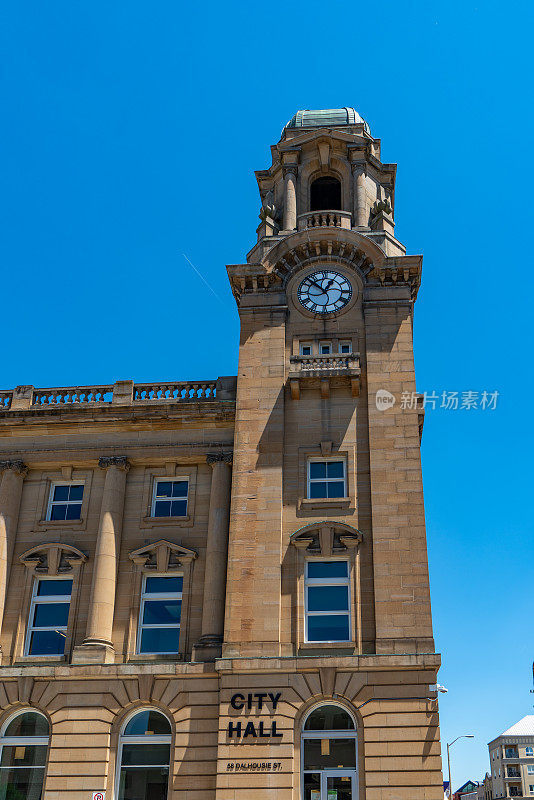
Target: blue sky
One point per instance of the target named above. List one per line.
(129, 138)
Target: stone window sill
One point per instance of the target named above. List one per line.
(40, 660)
(347, 648)
(162, 522)
(151, 658)
(66, 524)
(309, 504)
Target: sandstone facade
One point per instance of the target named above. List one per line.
(251, 658)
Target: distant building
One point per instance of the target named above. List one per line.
(512, 760)
(476, 790)
(468, 791)
(488, 787)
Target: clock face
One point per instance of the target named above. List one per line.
(324, 292)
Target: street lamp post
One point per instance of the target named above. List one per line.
(449, 745)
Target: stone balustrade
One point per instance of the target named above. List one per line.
(72, 394)
(5, 400)
(325, 372)
(183, 391)
(121, 393)
(325, 219)
(318, 364)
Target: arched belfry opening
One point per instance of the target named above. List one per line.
(325, 194)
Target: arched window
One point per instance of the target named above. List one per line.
(144, 757)
(329, 755)
(325, 194)
(24, 747)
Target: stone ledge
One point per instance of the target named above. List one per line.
(361, 663)
(356, 663)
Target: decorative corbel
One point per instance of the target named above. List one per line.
(327, 538)
(52, 559)
(162, 556)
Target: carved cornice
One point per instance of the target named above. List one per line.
(53, 558)
(215, 458)
(315, 246)
(322, 250)
(246, 278)
(162, 556)
(17, 466)
(104, 462)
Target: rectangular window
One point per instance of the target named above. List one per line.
(531, 788)
(530, 769)
(327, 601)
(65, 501)
(326, 478)
(345, 347)
(529, 751)
(49, 615)
(305, 348)
(325, 348)
(170, 498)
(159, 619)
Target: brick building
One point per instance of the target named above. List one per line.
(219, 587)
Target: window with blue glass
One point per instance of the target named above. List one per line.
(170, 498)
(49, 617)
(65, 501)
(23, 755)
(161, 609)
(327, 478)
(144, 757)
(327, 601)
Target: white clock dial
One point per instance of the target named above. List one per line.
(324, 292)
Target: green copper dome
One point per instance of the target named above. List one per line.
(326, 118)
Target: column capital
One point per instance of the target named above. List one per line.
(114, 461)
(289, 169)
(19, 467)
(358, 167)
(215, 458)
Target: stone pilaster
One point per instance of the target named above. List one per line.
(13, 473)
(253, 592)
(97, 645)
(401, 585)
(209, 645)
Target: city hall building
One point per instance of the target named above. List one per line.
(218, 589)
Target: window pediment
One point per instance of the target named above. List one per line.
(326, 538)
(53, 558)
(162, 556)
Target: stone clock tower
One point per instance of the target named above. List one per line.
(327, 466)
(218, 589)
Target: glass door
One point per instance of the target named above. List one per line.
(330, 785)
(339, 786)
(312, 786)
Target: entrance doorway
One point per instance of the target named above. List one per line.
(329, 755)
(330, 785)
